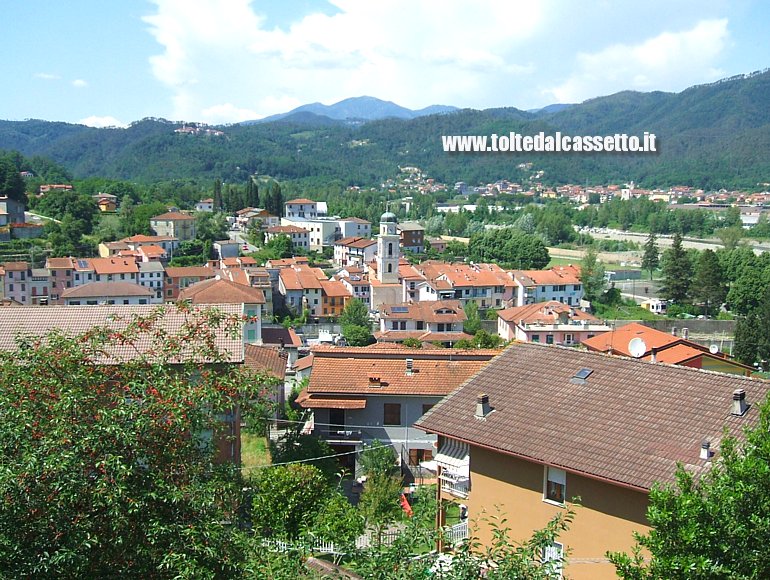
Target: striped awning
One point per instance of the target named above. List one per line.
(454, 456)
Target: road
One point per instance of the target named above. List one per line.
(666, 241)
(238, 236)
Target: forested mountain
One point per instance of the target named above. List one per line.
(710, 136)
(360, 108)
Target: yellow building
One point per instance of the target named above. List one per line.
(542, 425)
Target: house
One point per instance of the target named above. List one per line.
(322, 231)
(357, 283)
(40, 287)
(11, 212)
(152, 253)
(334, 297)
(488, 285)
(355, 227)
(220, 291)
(549, 322)
(354, 251)
(226, 249)
(301, 208)
(97, 293)
(541, 425)
(114, 269)
(17, 281)
(255, 217)
(299, 237)
(107, 205)
(560, 283)
(110, 249)
(174, 224)
(412, 237)
(286, 339)
(168, 243)
(180, 277)
(643, 342)
(76, 320)
(152, 275)
(205, 205)
(438, 321)
(300, 286)
(256, 278)
(359, 394)
(269, 360)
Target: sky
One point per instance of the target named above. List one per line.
(112, 62)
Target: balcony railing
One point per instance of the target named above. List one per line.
(341, 434)
(457, 486)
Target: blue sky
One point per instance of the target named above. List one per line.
(112, 62)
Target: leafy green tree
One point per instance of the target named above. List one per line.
(106, 467)
(482, 339)
(136, 219)
(677, 272)
(339, 522)
(472, 322)
(287, 499)
(11, 182)
(750, 339)
(378, 459)
(709, 285)
(651, 257)
(747, 292)
(211, 226)
(730, 236)
(715, 526)
(380, 501)
(294, 446)
(592, 275)
(355, 324)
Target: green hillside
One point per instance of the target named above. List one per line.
(710, 136)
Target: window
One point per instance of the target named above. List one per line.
(394, 325)
(417, 456)
(576, 287)
(251, 335)
(392, 414)
(549, 338)
(426, 407)
(552, 558)
(10, 286)
(555, 484)
(420, 325)
(390, 268)
(535, 338)
(403, 325)
(390, 248)
(569, 338)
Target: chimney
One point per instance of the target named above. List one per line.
(685, 333)
(739, 402)
(653, 354)
(482, 406)
(374, 381)
(409, 366)
(705, 449)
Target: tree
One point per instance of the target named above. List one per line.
(472, 322)
(592, 275)
(355, 324)
(717, 526)
(218, 195)
(211, 226)
(380, 501)
(107, 467)
(379, 459)
(287, 498)
(730, 236)
(709, 285)
(747, 292)
(482, 339)
(677, 272)
(11, 182)
(295, 446)
(651, 257)
(749, 338)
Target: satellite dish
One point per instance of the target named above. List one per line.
(713, 349)
(636, 347)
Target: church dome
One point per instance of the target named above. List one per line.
(388, 217)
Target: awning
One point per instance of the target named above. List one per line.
(454, 456)
(308, 401)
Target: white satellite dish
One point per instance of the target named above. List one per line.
(713, 349)
(637, 347)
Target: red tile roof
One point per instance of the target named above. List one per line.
(334, 288)
(280, 336)
(427, 311)
(629, 422)
(16, 266)
(544, 313)
(309, 401)
(301, 200)
(114, 265)
(173, 216)
(190, 272)
(435, 372)
(59, 263)
(107, 289)
(265, 359)
(218, 291)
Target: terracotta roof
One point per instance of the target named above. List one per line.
(555, 276)
(334, 288)
(301, 200)
(617, 341)
(59, 263)
(173, 215)
(436, 372)
(357, 220)
(309, 401)
(629, 422)
(266, 359)
(301, 277)
(276, 334)
(544, 313)
(190, 272)
(356, 242)
(16, 266)
(286, 230)
(106, 289)
(152, 250)
(143, 238)
(114, 265)
(219, 291)
(421, 335)
(75, 320)
(303, 363)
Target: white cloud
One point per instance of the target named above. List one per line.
(47, 76)
(99, 122)
(79, 83)
(669, 61)
(413, 53)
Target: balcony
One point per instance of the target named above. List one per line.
(455, 484)
(341, 435)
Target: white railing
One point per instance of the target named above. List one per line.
(458, 487)
(318, 545)
(457, 533)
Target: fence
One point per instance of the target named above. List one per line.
(320, 546)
